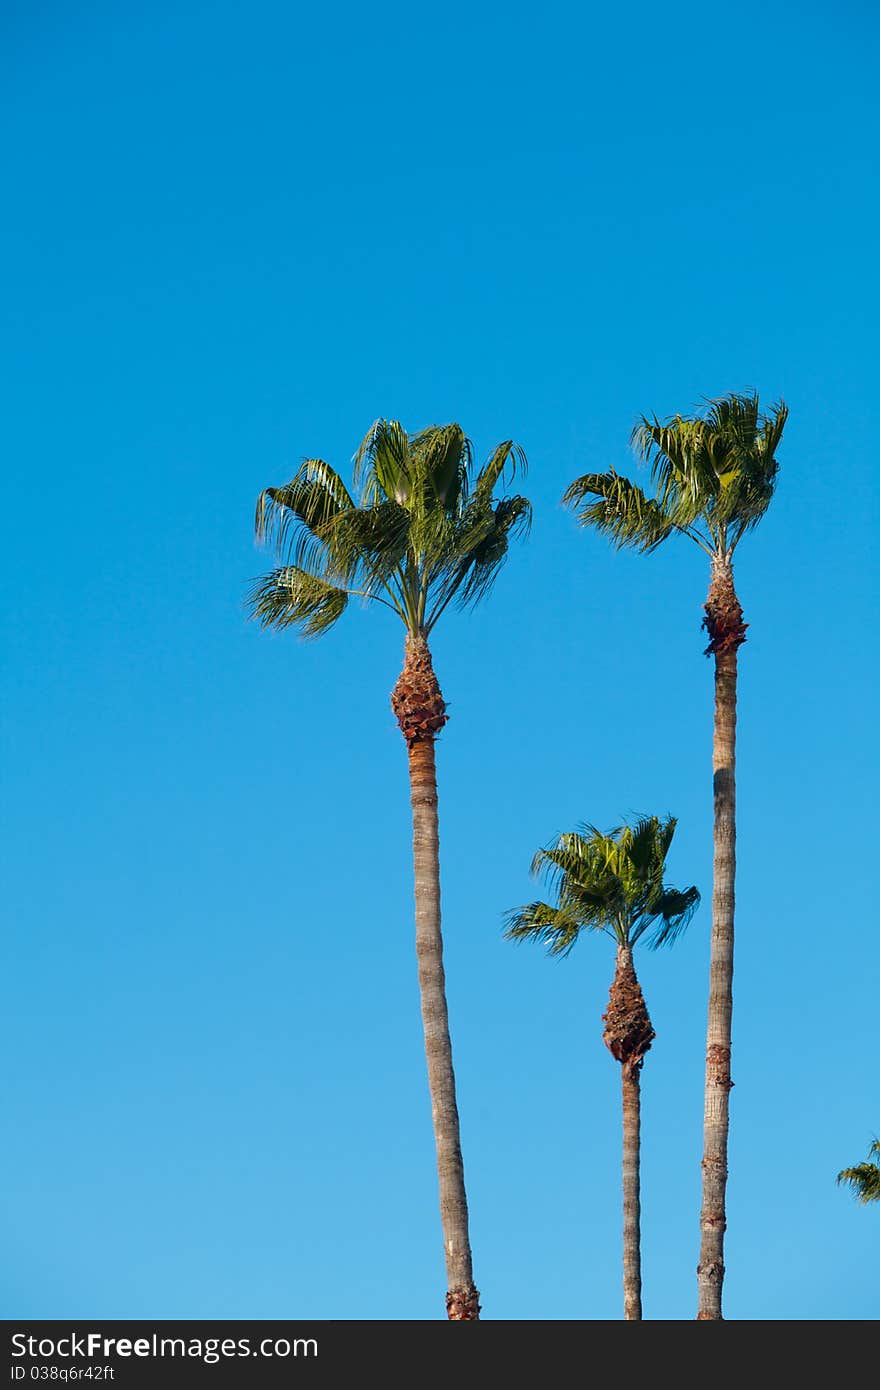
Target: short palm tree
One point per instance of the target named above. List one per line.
(425, 532)
(613, 883)
(714, 475)
(864, 1179)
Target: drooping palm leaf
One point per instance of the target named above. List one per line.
(481, 539)
(556, 928)
(622, 511)
(383, 463)
(505, 457)
(864, 1179)
(289, 597)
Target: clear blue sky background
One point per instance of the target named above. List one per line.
(234, 235)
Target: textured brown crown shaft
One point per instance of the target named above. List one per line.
(724, 616)
(627, 1033)
(416, 699)
(463, 1305)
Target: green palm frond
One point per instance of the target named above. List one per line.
(610, 881)
(506, 459)
(512, 516)
(646, 844)
(754, 441)
(679, 455)
(581, 867)
(424, 533)
(713, 476)
(673, 910)
(313, 498)
(481, 539)
(864, 1178)
(444, 457)
(383, 463)
(289, 597)
(554, 927)
(369, 544)
(621, 511)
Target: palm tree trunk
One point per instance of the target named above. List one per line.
(421, 713)
(628, 1035)
(632, 1252)
(726, 630)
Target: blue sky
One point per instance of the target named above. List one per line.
(234, 237)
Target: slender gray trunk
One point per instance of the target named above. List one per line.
(727, 631)
(632, 1253)
(420, 710)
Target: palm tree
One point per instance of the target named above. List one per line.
(864, 1179)
(613, 883)
(425, 532)
(714, 476)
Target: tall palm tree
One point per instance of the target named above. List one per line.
(425, 531)
(714, 475)
(613, 883)
(864, 1179)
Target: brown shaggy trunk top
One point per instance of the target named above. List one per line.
(627, 1033)
(628, 1036)
(421, 714)
(724, 616)
(416, 699)
(727, 632)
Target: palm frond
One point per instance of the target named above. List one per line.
(483, 558)
(673, 911)
(465, 568)
(621, 511)
(312, 499)
(290, 597)
(755, 441)
(863, 1179)
(383, 463)
(681, 466)
(505, 460)
(556, 928)
(582, 867)
(646, 843)
(368, 544)
(444, 456)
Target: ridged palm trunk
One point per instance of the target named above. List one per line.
(628, 1035)
(726, 629)
(421, 713)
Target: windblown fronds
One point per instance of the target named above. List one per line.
(423, 533)
(607, 881)
(713, 475)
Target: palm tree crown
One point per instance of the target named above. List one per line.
(607, 882)
(713, 478)
(424, 532)
(864, 1179)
